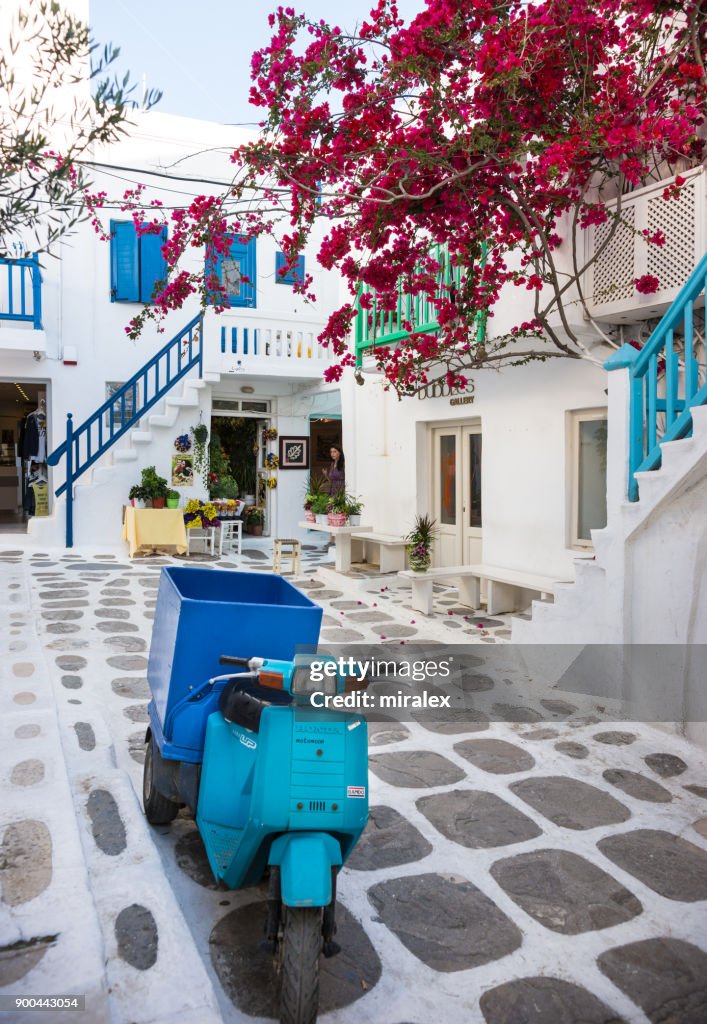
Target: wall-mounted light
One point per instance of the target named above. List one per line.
(247, 389)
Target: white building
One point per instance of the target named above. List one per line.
(519, 477)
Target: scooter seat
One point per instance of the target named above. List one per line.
(242, 703)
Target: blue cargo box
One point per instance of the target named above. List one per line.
(204, 613)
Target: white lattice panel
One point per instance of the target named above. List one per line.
(614, 270)
(673, 262)
(608, 284)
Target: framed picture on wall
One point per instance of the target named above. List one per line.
(294, 453)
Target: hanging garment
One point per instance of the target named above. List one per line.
(40, 498)
(30, 440)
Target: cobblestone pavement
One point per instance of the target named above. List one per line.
(547, 871)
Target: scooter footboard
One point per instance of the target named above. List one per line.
(305, 860)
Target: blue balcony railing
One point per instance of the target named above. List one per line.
(21, 291)
(666, 380)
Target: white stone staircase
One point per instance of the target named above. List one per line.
(99, 495)
(648, 581)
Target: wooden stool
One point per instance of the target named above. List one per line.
(287, 546)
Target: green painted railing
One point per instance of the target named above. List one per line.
(377, 328)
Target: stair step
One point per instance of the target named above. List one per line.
(699, 419)
(140, 436)
(182, 403)
(125, 455)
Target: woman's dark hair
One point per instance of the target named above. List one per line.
(340, 450)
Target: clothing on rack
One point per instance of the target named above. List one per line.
(34, 437)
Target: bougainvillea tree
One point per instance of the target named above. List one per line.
(497, 129)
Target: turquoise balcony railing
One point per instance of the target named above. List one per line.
(666, 380)
(377, 328)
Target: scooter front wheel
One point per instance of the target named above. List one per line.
(158, 809)
(300, 949)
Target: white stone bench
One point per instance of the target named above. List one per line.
(507, 589)
(390, 550)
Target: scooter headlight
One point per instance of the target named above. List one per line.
(303, 684)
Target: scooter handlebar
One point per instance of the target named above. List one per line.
(226, 659)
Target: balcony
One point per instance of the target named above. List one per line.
(608, 283)
(21, 305)
(264, 347)
(377, 328)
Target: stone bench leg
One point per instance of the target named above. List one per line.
(358, 550)
(470, 591)
(422, 596)
(342, 552)
(501, 597)
(392, 559)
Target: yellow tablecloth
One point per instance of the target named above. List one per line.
(154, 528)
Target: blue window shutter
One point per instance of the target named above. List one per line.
(231, 269)
(124, 268)
(153, 266)
(294, 275)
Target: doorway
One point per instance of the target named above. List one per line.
(24, 489)
(457, 493)
(237, 460)
(324, 431)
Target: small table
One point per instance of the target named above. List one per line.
(342, 540)
(205, 535)
(154, 528)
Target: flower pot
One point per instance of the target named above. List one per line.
(172, 502)
(257, 531)
(419, 557)
(310, 517)
(322, 518)
(158, 502)
(248, 499)
(336, 519)
(355, 520)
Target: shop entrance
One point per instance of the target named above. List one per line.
(237, 465)
(24, 489)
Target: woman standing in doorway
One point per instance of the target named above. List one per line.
(335, 474)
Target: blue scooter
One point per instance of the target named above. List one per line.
(281, 789)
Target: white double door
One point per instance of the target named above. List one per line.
(457, 493)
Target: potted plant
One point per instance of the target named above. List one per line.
(138, 496)
(255, 518)
(200, 433)
(336, 509)
(155, 486)
(200, 515)
(319, 508)
(354, 507)
(315, 489)
(173, 498)
(420, 541)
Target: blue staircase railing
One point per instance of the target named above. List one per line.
(21, 291)
(86, 444)
(664, 380)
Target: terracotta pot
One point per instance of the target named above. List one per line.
(257, 531)
(158, 502)
(336, 519)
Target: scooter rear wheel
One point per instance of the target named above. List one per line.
(300, 949)
(158, 809)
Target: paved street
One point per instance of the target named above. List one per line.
(545, 871)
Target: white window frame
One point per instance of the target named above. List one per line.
(575, 417)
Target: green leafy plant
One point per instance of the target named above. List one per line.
(420, 541)
(354, 505)
(316, 487)
(174, 495)
(200, 434)
(154, 486)
(319, 504)
(255, 516)
(138, 493)
(337, 503)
